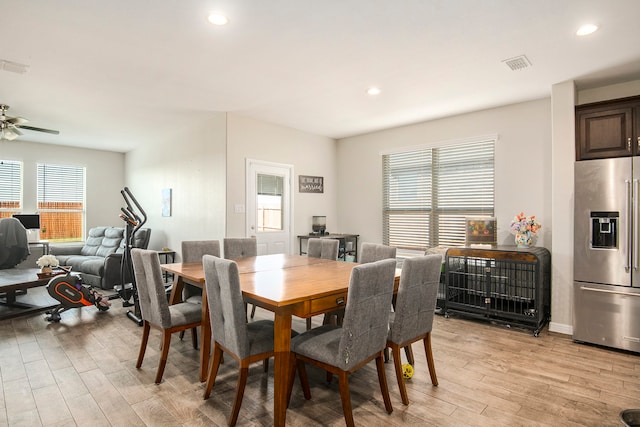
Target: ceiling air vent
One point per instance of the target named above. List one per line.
(13, 67)
(518, 63)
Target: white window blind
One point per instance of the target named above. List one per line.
(427, 194)
(60, 184)
(10, 186)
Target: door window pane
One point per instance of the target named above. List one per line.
(269, 202)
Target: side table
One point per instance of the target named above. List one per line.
(166, 257)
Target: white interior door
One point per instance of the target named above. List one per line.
(269, 206)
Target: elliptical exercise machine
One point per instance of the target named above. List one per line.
(134, 218)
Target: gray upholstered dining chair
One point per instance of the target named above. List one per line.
(370, 252)
(241, 247)
(156, 311)
(341, 350)
(412, 319)
(246, 342)
(192, 251)
(323, 248)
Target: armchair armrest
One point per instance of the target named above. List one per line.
(112, 271)
(66, 249)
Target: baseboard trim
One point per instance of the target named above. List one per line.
(561, 328)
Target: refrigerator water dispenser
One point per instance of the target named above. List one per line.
(604, 230)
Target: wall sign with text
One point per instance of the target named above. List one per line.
(310, 184)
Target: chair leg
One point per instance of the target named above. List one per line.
(214, 365)
(308, 323)
(292, 376)
(408, 351)
(345, 397)
(166, 342)
(253, 311)
(265, 365)
(237, 401)
(143, 344)
(304, 380)
(430, 362)
(397, 363)
(181, 335)
(382, 379)
(329, 377)
(194, 337)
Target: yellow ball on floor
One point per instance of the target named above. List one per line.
(407, 371)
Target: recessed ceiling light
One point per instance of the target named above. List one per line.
(373, 91)
(587, 29)
(218, 19)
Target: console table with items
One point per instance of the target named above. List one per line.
(503, 284)
(348, 244)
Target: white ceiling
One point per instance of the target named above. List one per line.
(114, 74)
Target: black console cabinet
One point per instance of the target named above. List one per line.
(504, 284)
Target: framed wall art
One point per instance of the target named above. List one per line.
(310, 184)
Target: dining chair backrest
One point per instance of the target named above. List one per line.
(370, 252)
(193, 250)
(226, 307)
(240, 247)
(416, 298)
(366, 320)
(151, 292)
(323, 248)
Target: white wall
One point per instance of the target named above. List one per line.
(191, 162)
(523, 162)
(104, 176)
(309, 154)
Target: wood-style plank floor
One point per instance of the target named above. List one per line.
(82, 372)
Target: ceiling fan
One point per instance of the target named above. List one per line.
(10, 126)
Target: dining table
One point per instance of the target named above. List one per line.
(287, 285)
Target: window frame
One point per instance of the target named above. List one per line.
(12, 185)
(76, 175)
(432, 218)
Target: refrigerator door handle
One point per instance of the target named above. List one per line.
(607, 291)
(634, 233)
(627, 224)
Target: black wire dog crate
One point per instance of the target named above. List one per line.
(505, 284)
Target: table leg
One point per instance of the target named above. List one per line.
(282, 350)
(205, 339)
(176, 290)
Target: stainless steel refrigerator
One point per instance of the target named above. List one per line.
(606, 269)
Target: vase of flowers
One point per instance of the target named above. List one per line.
(525, 229)
(46, 263)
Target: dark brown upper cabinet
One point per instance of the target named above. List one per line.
(608, 129)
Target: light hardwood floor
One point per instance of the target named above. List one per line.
(82, 372)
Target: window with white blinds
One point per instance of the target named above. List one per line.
(427, 194)
(10, 187)
(61, 201)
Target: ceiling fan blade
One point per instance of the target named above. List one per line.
(17, 120)
(55, 132)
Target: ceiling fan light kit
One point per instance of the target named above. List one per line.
(10, 126)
